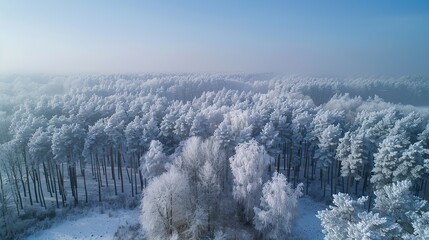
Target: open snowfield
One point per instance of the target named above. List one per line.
(94, 225)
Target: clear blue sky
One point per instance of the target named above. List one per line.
(310, 37)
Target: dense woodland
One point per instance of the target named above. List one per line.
(210, 153)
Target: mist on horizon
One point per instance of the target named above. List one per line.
(329, 37)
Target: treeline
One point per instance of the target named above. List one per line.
(126, 130)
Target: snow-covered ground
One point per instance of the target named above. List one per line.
(94, 225)
(307, 225)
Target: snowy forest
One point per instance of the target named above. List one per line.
(216, 156)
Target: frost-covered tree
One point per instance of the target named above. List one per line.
(200, 126)
(396, 201)
(223, 134)
(351, 153)
(203, 162)
(369, 226)
(133, 132)
(386, 160)
(397, 213)
(150, 132)
(152, 163)
(166, 134)
(166, 206)
(411, 163)
(336, 219)
(328, 142)
(249, 168)
(278, 205)
(420, 224)
(269, 137)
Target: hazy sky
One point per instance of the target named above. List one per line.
(310, 37)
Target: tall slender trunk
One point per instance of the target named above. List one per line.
(3, 197)
(120, 171)
(33, 177)
(332, 173)
(98, 176)
(365, 183)
(74, 179)
(42, 196)
(141, 180)
(16, 194)
(112, 166)
(171, 213)
(370, 199)
(69, 169)
(325, 175)
(135, 174)
(284, 157)
(336, 172)
(105, 171)
(61, 185)
(84, 185)
(48, 185)
(22, 179)
(92, 165)
(81, 165)
(131, 177)
(305, 161)
(289, 162)
(53, 180)
(28, 177)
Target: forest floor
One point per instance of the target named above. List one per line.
(123, 224)
(307, 225)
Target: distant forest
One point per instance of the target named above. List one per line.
(197, 149)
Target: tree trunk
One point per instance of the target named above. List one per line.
(84, 185)
(76, 195)
(92, 165)
(48, 185)
(112, 166)
(3, 198)
(42, 196)
(135, 174)
(55, 187)
(105, 170)
(69, 169)
(98, 176)
(120, 171)
(365, 183)
(22, 179)
(131, 178)
(33, 177)
(16, 193)
(60, 189)
(28, 178)
(289, 162)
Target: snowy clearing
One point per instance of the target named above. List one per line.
(93, 225)
(307, 225)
